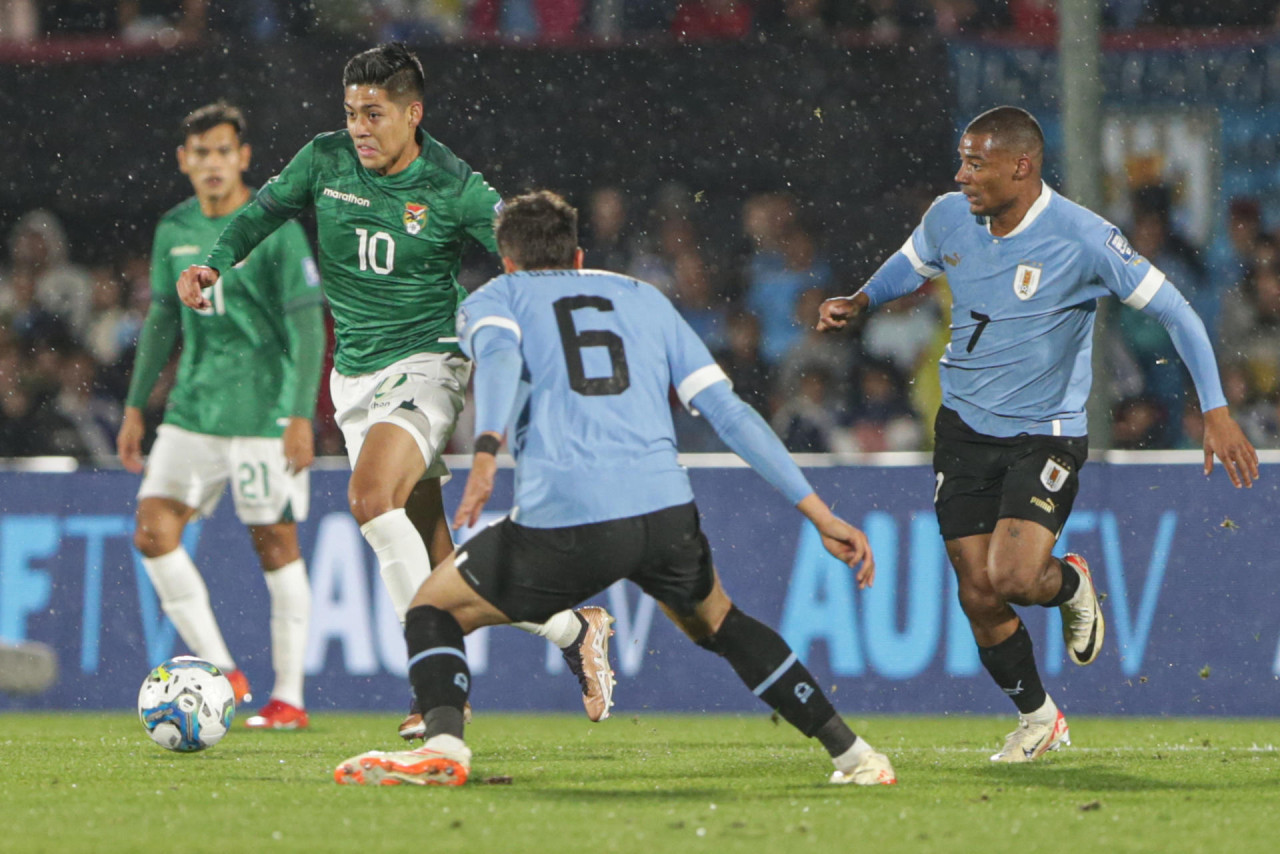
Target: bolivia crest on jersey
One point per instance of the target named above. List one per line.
(415, 217)
(1026, 281)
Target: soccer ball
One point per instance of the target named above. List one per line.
(186, 704)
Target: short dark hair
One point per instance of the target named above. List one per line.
(538, 231)
(210, 116)
(391, 66)
(1011, 127)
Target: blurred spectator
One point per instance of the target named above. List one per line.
(1138, 424)
(537, 20)
(166, 21)
(19, 21)
(38, 248)
(806, 421)
(90, 420)
(741, 361)
(902, 332)
(832, 355)
(1145, 339)
(111, 330)
(79, 17)
(671, 235)
(697, 301)
(881, 417)
(604, 236)
(710, 20)
(785, 263)
(1250, 329)
(1230, 253)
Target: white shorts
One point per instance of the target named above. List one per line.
(192, 468)
(423, 393)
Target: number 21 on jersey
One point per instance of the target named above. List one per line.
(377, 251)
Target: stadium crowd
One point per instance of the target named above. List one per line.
(560, 20)
(67, 331)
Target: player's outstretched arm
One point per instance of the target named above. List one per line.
(1224, 439)
(191, 285)
(844, 541)
(836, 312)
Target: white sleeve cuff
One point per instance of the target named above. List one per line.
(699, 381)
(919, 265)
(1145, 290)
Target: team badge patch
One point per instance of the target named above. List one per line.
(1117, 244)
(1053, 475)
(1026, 281)
(415, 217)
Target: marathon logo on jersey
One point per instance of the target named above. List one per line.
(1026, 281)
(1054, 475)
(415, 217)
(1116, 243)
(346, 197)
(185, 249)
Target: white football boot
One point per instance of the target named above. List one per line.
(873, 770)
(444, 760)
(1082, 625)
(1031, 740)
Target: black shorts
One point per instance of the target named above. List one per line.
(531, 573)
(980, 479)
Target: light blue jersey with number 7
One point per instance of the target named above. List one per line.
(592, 431)
(1019, 358)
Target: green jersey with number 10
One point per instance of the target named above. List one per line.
(389, 246)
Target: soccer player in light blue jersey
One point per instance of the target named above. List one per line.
(1026, 268)
(574, 367)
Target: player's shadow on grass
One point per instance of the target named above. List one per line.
(1100, 778)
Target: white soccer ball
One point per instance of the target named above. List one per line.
(186, 704)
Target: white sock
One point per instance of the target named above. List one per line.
(402, 556)
(1046, 714)
(562, 629)
(290, 610)
(847, 761)
(185, 600)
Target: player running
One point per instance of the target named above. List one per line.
(240, 410)
(394, 210)
(577, 366)
(1026, 268)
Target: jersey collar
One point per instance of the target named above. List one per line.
(1037, 208)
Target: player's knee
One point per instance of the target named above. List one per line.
(1012, 583)
(155, 540)
(368, 500)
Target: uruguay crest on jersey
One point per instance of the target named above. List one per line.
(1026, 281)
(415, 217)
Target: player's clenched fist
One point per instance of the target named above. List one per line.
(836, 312)
(191, 285)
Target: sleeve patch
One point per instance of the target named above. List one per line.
(310, 272)
(1117, 243)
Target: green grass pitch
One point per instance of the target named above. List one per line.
(646, 783)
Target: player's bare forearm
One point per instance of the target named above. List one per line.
(836, 312)
(299, 444)
(484, 467)
(1224, 439)
(129, 439)
(842, 540)
(191, 285)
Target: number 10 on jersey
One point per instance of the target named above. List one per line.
(372, 246)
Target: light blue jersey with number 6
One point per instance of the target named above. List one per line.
(592, 431)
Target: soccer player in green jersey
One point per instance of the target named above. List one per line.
(394, 210)
(240, 410)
